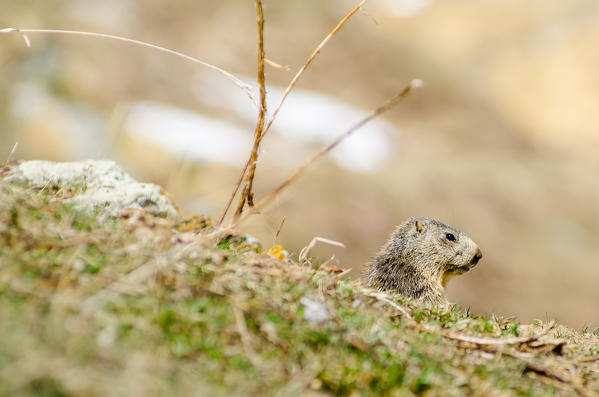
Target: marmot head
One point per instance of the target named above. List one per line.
(437, 246)
(420, 257)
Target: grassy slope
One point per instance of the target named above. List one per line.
(130, 307)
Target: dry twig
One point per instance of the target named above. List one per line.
(259, 131)
(477, 340)
(285, 94)
(301, 169)
(274, 242)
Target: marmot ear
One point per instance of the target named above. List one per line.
(419, 226)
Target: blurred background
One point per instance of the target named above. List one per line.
(501, 141)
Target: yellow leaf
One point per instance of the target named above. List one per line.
(278, 252)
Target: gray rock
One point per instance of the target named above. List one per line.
(100, 187)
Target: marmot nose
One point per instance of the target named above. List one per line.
(477, 256)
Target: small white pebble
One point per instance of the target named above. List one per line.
(314, 311)
(251, 240)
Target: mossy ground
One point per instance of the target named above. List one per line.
(147, 306)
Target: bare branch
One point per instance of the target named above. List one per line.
(301, 169)
(285, 94)
(258, 132)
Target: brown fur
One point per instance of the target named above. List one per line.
(419, 258)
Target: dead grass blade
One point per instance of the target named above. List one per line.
(303, 255)
(230, 76)
(384, 298)
(12, 152)
(277, 65)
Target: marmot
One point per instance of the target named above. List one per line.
(419, 258)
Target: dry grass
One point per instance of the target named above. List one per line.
(220, 316)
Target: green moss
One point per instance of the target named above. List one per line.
(213, 319)
(512, 329)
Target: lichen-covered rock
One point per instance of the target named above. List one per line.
(98, 186)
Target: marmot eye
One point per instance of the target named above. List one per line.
(450, 236)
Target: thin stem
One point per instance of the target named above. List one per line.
(230, 76)
(309, 61)
(258, 132)
(301, 169)
(285, 94)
